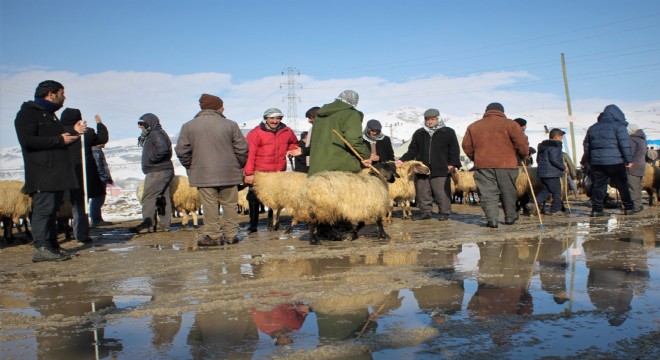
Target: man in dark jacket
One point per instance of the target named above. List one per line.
(436, 146)
(638, 146)
(95, 186)
(159, 170)
(550, 170)
(213, 150)
(495, 144)
(96, 202)
(608, 155)
(48, 168)
(379, 144)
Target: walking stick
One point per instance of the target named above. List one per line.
(531, 187)
(84, 172)
(357, 154)
(568, 203)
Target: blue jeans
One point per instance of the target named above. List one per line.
(95, 205)
(550, 186)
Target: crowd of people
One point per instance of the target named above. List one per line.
(218, 159)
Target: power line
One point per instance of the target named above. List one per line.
(292, 98)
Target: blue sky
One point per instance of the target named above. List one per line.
(122, 59)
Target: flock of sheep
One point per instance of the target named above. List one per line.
(324, 198)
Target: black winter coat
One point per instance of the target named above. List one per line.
(157, 147)
(45, 155)
(95, 187)
(383, 149)
(437, 152)
(300, 161)
(550, 159)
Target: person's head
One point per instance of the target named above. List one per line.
(148, 121)
(273, 118)
(522, 122)
(303, 135)
(211, 102)
(70, 116)
(632, 128)
(495, 106)
(311, 114)
(349, 97)
(431, 117)
(374, 127)
(50, 90)
(556, 134)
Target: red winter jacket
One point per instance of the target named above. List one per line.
(267, 149)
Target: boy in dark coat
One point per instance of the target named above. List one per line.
(551, 169)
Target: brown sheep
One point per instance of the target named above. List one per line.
(464, 186)
(278, 190)
(402, 190)
(651, 183)
(14, 208)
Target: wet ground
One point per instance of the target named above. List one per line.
(574, 288)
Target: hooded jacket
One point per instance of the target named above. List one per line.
(495, 142)
(436, 151)
(328, 152)
(607, 142)
(212, 149)
(267, 148)
(550, 159)
(157, 147)
(45, 155)
(638, 146)
(95, 187)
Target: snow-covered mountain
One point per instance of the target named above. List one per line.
(124, 155)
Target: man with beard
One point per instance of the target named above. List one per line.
(48, 168)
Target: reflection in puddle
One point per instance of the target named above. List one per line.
(506, 299)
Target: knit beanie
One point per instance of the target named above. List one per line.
(349, 97)
(495, 106)
(210, 102)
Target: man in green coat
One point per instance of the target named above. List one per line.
(328, 152)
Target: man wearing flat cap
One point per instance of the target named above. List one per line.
(379, 144)
(494, 143)
(213, 150)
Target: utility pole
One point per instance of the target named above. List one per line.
(571, 118)
(392, 126)
(292, 98)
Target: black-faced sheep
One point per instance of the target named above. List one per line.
(402, 190)
(332, 197)
(278, 190)
(15, 208)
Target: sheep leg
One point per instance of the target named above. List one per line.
(381, 231)
(294, 222)
(390, 209)
(313, 233)
(195, 219)
(7, 225)
(276, 219)
(354, 232)
(186, 218)
(271, 221)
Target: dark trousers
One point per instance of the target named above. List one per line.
(80, 219)
(44, 216)
(495, 185)
(601, 175)
(95, 205)
(550, 186)
(429, 190)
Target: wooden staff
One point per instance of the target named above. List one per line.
(568, 203)
(357, 154)
(531, 187)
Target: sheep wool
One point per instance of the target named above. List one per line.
(14, 206)
(651, 183)
(279, 190)
(402, 190)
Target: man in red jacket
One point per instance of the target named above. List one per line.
(269, 144)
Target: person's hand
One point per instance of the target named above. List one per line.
(451, 168)
(295, 152)
(80, 126)
(374, 157)
(68, 138)
(366, 162)
(629, 165)
(398, 163)
(248, 179)
(97, 117)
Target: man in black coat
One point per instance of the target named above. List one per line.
(437, 147)
(48, 168)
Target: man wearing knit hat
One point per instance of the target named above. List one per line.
(494, 144)
(329, 153)
(213, 150)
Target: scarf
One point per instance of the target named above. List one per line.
(51, 107)
(143, 137)
(432, 130)
(372, 140)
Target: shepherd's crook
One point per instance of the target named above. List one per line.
(84, 172)
(356, 153)
(568, 204)
(531, 187)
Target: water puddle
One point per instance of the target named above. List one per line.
(594, 293)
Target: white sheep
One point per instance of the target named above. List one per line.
(464, 186)
(243, 205)
(277, 191)
(402, 190)
(185, 199)
(331, 197)
(14, 208)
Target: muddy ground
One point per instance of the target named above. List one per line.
(165, 278)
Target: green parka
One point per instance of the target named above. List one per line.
(328, 152)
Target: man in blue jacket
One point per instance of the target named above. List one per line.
(550, 170)
(608, 154)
